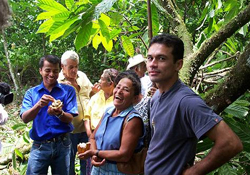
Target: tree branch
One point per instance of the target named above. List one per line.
(235, 85)
(198, 58)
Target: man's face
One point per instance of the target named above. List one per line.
(49, 73)
(160, 64)
(70, 69)
(141, 69)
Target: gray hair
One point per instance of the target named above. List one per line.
(70, 54)
(5, 14)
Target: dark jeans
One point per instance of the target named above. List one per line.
(55, 154)
(76, 139)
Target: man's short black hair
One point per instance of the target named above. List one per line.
(170, 41)
(51, 59)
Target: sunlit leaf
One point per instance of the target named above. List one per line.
(51, 5)
(45, 26)
(61, 16)
(60, 28)
(45, 15)
(19, 126)
(96, 41)
(127, 45)
(105, 19)
(108, 45)
(104, 30)
(19, 154)
(69, 3)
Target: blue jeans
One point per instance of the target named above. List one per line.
(76, 139)
(54, 154)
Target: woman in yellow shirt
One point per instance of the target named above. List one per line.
(100, 101)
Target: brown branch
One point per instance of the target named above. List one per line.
(213, 42)
(219, 61)
(236, 84)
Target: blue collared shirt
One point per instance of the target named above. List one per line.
(44, 125)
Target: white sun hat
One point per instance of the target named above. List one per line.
(135, 60)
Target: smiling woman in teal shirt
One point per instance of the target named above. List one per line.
(108, 146)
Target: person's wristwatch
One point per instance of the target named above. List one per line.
(60, 115)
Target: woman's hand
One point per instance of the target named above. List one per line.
(96, 161)
(85, 155)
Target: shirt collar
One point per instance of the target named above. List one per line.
(62, 77)
(41, 86)
(124, 113)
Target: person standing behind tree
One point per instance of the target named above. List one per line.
(100, 101)
(138, 64)
(83, 87)
(51, 126)
(179, 118)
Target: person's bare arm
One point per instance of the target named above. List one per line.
(226, 145)
(31, 114)
(87, 125)
(130, 136)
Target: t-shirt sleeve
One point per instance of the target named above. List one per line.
(87, 111)
(27, 102)
(71, 102)
(198, 116)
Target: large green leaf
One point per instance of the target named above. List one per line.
(104, 29)
(114, 33)
(69, 3)
(108, 45)
(61, 16)
(51, 5)
(45, 26)
(45, 15)
(96, 41)
(72, 28)
(83, 36)
(238, 108)
(127, 46)
(115, 18)
(103, 7)
(62, 27)
(155, 20)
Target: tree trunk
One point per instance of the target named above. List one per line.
(9, 62)
(199, 57)
(234, 86)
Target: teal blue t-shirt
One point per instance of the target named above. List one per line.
(108, 135)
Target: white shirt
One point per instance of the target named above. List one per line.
(146, 83)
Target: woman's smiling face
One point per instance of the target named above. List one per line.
(124, 94)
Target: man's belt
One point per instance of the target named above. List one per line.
(55, 139)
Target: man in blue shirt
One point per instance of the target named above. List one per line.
(51, 146)
(179, 118)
